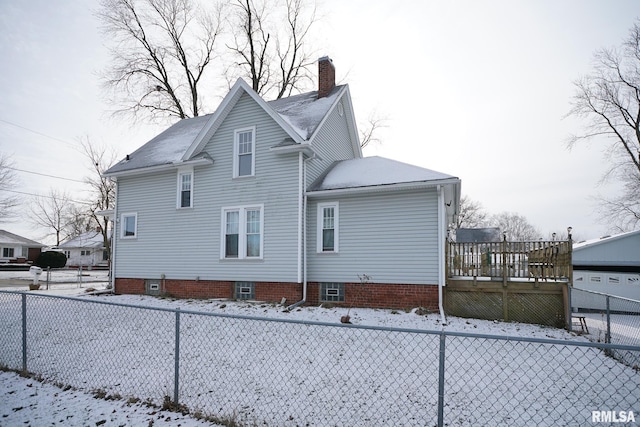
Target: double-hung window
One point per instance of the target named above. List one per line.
(244, 152)
(328, 227)
(185, 189)
(129, 226)
(242, 235)
(7, 252)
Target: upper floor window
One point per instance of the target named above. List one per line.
(185, 189)
(242, 232)
(328, 227)
(244, 152)
(129, 226)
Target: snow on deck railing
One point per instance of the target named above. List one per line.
(542, 260)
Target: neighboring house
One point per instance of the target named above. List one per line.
(85, 250)
(609, 265)
(271, 200)
(14, 248)
(478, 235)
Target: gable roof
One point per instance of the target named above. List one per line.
(300, 116)
(7, 238)
(90, 239)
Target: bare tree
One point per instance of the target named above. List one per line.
(370, 131)
(515, 226)
(471, 214)
(52, 212)
(103, 189)
(8, 181)
(269, 45)
(609, 99)
(161, 51)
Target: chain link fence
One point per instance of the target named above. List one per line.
(608, 319)
(258, 371)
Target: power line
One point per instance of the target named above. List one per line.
(47, 197)
(39, 133)
(44, 174)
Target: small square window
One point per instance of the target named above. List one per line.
(245, 290)
(332, 292)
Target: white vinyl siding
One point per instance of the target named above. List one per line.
(186, 243)
(185, 189)
(390, 237)
(244, 152)
(328, 227)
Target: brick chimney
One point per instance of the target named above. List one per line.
(326, 76)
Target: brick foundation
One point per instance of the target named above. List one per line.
(371, 295)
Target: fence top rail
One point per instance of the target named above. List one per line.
(442, 332)
(573, 288)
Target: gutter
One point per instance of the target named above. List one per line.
(441, 249)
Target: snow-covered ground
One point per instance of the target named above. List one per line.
(286, 373)
(27, 402)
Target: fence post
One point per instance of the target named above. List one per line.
(176, 376)
(24, 332)
(441, 381)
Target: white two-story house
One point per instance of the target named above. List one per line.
(271, 200)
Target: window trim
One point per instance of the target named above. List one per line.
(122, 225)
(242, 231)
(336, 227)
(181, 173)
(236, 153)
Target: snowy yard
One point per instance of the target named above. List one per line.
(286, 373)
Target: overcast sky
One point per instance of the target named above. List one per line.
(475, 89)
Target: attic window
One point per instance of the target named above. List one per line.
(244, 152)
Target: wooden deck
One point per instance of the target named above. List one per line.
(511, 281)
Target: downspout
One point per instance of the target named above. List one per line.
(441, 249)
(302, 230)
(114, 239)
(300, 213)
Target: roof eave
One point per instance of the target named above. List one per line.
(159, 168)
(294, 148)
(382, 188)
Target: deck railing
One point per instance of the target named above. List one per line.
(534, 260)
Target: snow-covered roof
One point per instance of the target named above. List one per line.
(618, 250)
(304, 112)
(90, 239)
(604, 239)
(164, 149)
(7, 238)
(181, 142)
(373, 172)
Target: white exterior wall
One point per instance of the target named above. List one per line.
(626, 285)
(391, 237)
(186, 243)
(331, 144)
(17, 252)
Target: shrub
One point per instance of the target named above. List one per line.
(51, 259)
